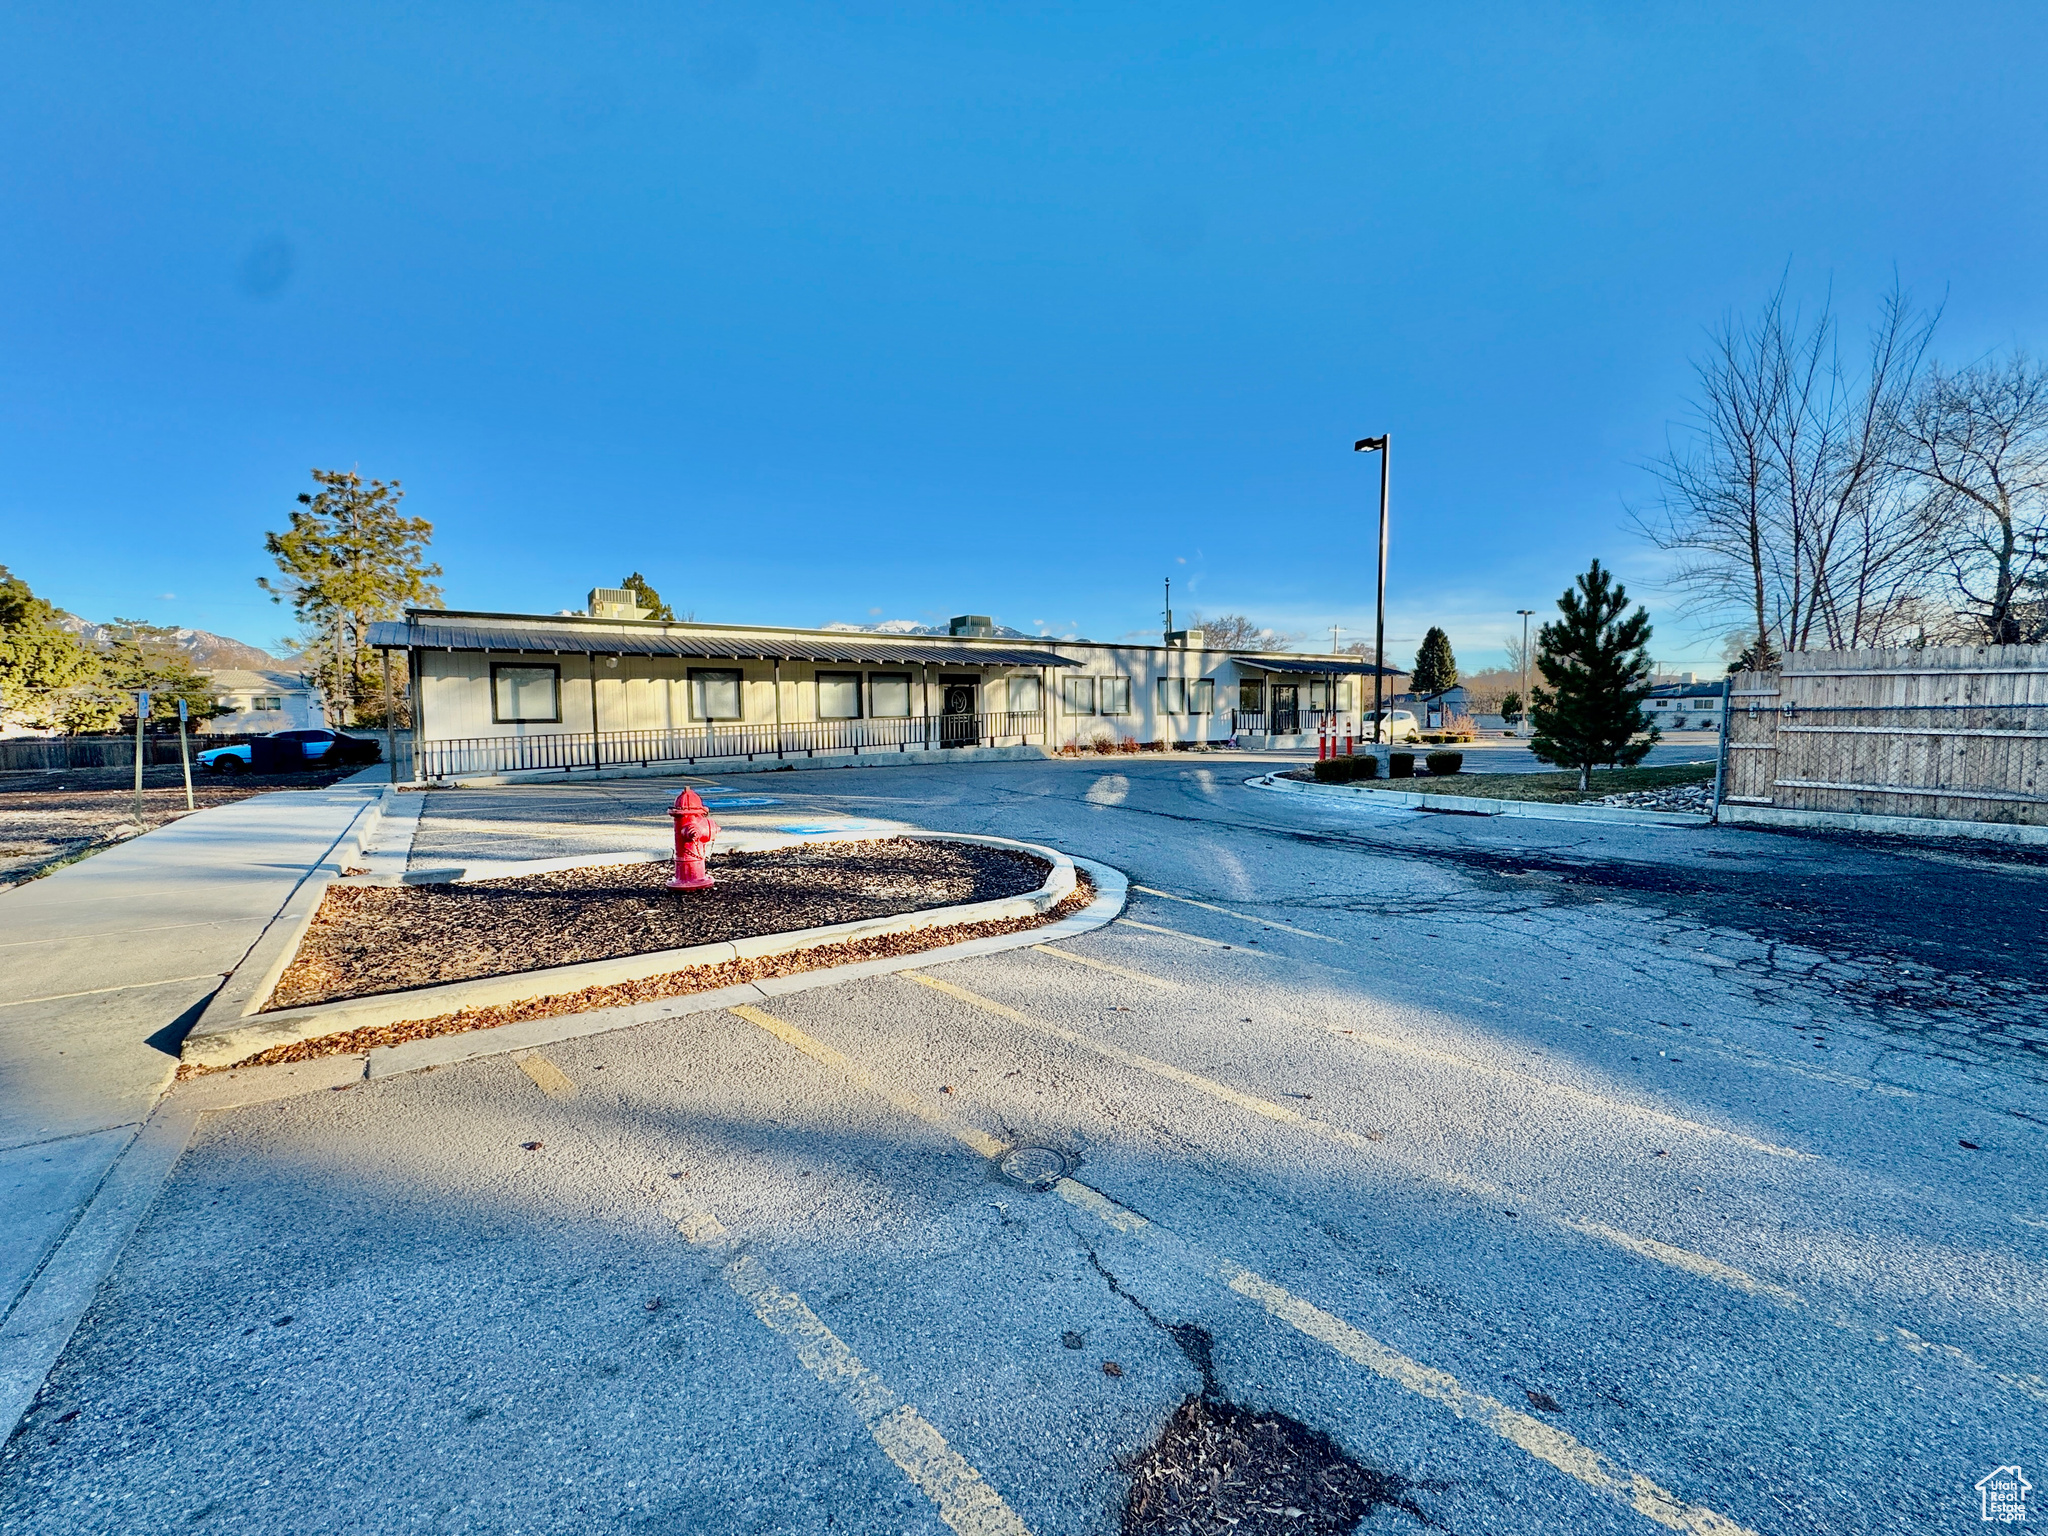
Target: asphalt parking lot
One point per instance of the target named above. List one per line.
(1575, 1177)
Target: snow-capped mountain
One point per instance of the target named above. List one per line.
(912, 627)
(206, 648)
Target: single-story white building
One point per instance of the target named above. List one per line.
(253, 702)
(496, 694)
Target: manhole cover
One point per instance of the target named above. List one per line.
(1034, 1167)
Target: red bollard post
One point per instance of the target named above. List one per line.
(695, 832)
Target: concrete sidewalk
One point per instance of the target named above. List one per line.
(103, 966)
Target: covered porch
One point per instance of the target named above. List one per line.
(497, 695)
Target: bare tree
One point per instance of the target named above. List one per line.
(1979, 437)
(1235, 632)
(1720, 487)
(1787, 500)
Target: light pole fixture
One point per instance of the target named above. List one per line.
(1525, 613)
(1382, 446)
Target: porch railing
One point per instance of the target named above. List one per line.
(472, 756)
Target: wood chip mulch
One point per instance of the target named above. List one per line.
(705, 978)
(367, 940)
(1219, 1468)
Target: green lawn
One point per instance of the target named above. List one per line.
(1556, 788)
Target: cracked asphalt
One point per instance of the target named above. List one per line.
(1575, 1177)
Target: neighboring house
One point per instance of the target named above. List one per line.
(256, 702)
(1688, 705)
(510, 693)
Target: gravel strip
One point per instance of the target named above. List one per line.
(703, 978)
(367, 940)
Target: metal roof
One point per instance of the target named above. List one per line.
(1311, 665)
(531, 635)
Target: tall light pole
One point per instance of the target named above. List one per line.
(1525, 613)
(1382, 446)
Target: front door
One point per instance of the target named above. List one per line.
(957, 724)
(1286, 709)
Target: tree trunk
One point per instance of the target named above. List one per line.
(1585, 778)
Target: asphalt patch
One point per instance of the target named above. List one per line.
(1221, 1468)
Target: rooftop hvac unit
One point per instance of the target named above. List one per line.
(616, 603)
(971, 624)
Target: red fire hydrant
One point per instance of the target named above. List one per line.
(695, 831)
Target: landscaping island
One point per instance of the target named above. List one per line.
(371, 939)
(1671, 787)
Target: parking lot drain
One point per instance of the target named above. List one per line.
(1034, 1167)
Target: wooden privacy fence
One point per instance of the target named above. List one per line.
(48, 752)
(1945, 733)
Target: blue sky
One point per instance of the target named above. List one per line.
(860, 312)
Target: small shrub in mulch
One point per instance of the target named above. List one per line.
(1346, 769)
(1400, 765)
(1219, 1468)
(1442, 764)
(372, 939)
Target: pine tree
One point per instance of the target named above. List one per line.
(649, 598)
(139, 656)
(1436, 669)
(350, 557)
(1599, 674)
(41, 662)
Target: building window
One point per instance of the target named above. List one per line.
(1114, 694)
(1027, 696)
(889, 695)
(1077, 695)
(1202, 696)
(271, 703)
(1319, 693)
(1173, 696)
(1251, 695)
(838, 695)
(520, 695)
(714, 693)
(1344, 694)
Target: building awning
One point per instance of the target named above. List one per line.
(509, 632)
(1312, 666)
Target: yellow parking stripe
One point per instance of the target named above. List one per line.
(1543, 1441)
(818, 1051)
(1104, 965)
(547, 1077)
(1167, 1070)
(838, 1367)
(1242, 917)
(1192, 938)
(1681, 1258)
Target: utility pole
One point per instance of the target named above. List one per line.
(1383, 446)
(1525, 613)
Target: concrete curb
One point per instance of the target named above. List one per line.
(1112, 890)
(1476, 806)
(253, 979)
(2017, 834)
(235, 1027)
(44, 1318)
